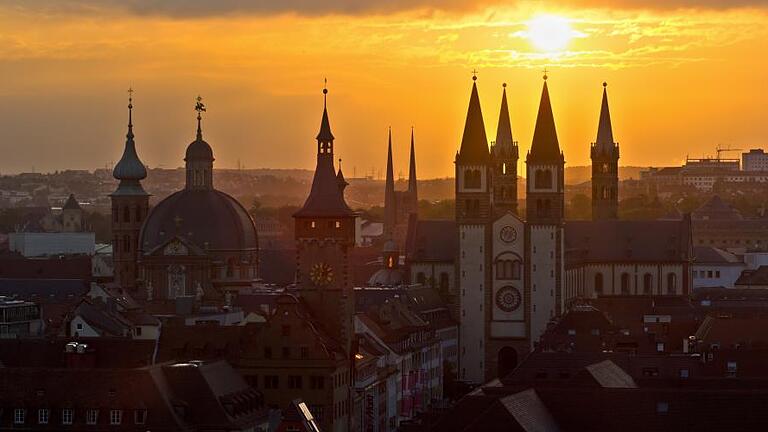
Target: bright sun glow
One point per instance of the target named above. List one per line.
(550, 32)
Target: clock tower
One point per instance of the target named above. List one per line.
(325, 235)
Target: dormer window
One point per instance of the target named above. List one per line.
(115, 417)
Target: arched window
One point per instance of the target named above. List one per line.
(625, 283)
(507, 361)
(599, 283)
(543, 179)
(126, 243)
(126, 214)
(671, 283)
(508, 269)
(647, 283)
(138, 214)
(421, 278)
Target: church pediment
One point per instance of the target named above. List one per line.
(176, 246)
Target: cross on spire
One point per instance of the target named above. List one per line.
(545, 71)
(474, 74)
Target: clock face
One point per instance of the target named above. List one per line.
(321, 274)
(508, 299)
(508, 234)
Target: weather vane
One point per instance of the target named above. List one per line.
(199, 106)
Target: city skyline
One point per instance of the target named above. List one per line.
(679, 80)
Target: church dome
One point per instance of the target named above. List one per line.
(199, 150)
(207, 218)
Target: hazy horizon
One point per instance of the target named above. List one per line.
(680, 78)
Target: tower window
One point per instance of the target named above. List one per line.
(599, 283)
(504, 168)
(671, 283)
(647, 283)
(472, 179)
(543, 179)
(338, 224)
(625, 283)
(312, 224)
(126, 214)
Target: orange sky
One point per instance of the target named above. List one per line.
(681, 81)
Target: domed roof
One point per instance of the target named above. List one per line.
(204, 217)
(199, 150)
(386, 277)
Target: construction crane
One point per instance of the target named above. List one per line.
(721, 149)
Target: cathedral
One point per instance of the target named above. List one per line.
(517, 273)
(197, 243)
(399, 205)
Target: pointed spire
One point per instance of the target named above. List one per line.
(474, 143)
(325, 134)
(604, 141)
(545, 146)
(504, 130)
(390, 212)
(340, 179)
(129, 170)
(412, 182)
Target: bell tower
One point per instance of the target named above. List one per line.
(325, 235)
(474, 212)
(130, 205)
(505, 154)
(605, 167)
(544, 221)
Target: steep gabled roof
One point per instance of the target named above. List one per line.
(545, 146)
(604, 142)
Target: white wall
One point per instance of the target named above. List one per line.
(85, 330)
(471, 299)
(543, 277)
(705, 275)
(512, 323)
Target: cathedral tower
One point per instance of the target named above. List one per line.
(325, 235)
(130, 205)
(390, 198)
(544, 224)
(605, 167)
(505, 154)
(473, 219)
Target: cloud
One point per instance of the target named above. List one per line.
(208, 8)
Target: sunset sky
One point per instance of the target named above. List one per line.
(683, 77)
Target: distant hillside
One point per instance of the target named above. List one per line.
(581, 174)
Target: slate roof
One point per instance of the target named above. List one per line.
(758, 276)
(203, 217)
(432, 240)
(713, 255)
(716, 209)
(474, 142)
(43, 289)
(545, 146)
(622, 240)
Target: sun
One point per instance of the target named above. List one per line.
(550, 33)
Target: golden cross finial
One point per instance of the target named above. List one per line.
(130, 93)
(545, 74)
(474, 74)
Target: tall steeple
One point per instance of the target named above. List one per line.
(474, 143)
(130, 170)
(605, 167)
(130, 205)
(505, 154)
(504, 130)
(545, 199)
(545, 146)
(325, 198)
(412, 181)
(199, 156)
(390, 200)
